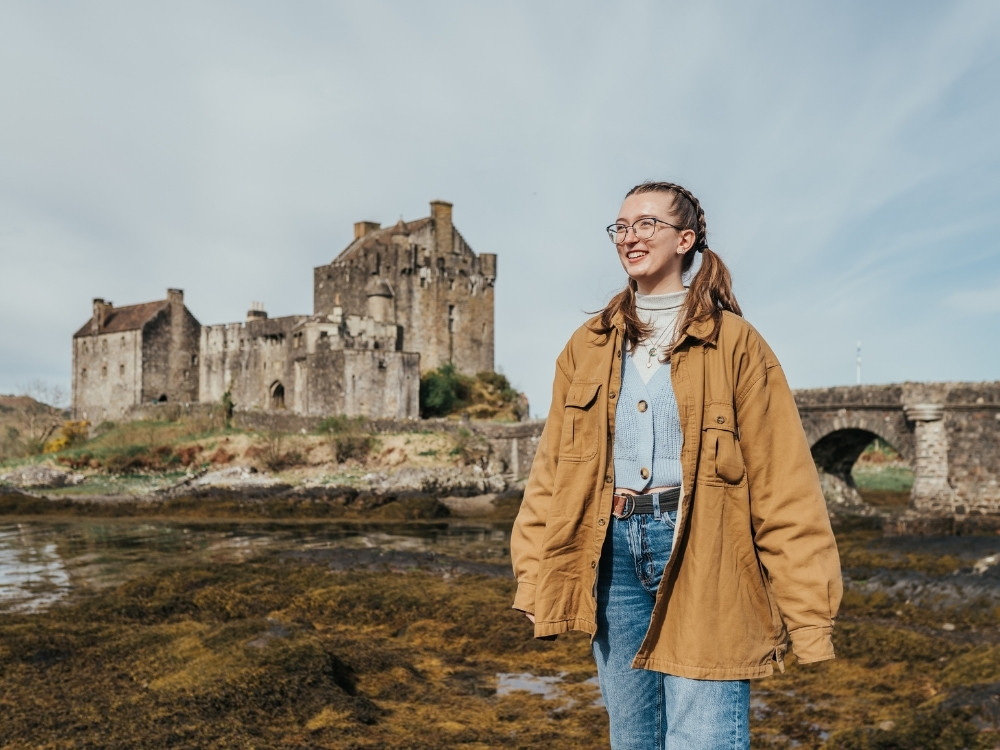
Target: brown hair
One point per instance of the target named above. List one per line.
(711, 289)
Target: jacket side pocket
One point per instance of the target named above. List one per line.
(580, 428)
(720, 439)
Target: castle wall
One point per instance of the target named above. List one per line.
(367, 382)
(107, 375)
(253, 361)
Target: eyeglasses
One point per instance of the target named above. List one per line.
(643, 229)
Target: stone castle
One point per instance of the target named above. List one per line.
(397, 301)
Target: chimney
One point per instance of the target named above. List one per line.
(361, 228)
(175, 297)
(441, 213)
(101, 310)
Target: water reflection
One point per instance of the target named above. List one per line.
(42, 562)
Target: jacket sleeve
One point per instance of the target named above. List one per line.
(528, 534)
(791, 526)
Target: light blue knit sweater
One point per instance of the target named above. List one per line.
(648, 436)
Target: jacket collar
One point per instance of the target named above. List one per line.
(700, 329)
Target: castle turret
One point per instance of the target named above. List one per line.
(256, 312)
(380, 306)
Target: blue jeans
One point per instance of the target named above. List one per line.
(652, 710)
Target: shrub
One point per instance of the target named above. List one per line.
(443, 390)
(71, 433)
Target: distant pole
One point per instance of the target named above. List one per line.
(859, 361)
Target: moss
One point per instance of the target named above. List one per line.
(288, 651)
(268, 654)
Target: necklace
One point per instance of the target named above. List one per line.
(654, 348)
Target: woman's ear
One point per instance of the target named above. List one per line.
(688, 237)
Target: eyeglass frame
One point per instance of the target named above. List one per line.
(631, 226)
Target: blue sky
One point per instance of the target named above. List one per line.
(847, 155)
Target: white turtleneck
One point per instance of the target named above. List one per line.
(661, 312)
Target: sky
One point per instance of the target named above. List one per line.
(846, 154)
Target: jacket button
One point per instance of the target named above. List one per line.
(600, 522)
(644, 472)
(619, 354)
(612, 394)
(593, 563)
(643, 406)
(720, 420)
(607, 479)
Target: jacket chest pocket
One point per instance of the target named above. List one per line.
(581, 426)
(720, 447)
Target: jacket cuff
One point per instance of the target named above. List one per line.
(524, 599)
(813, 644)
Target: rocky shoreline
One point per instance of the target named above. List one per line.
(414, 493)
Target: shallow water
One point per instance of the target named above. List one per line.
(43, 562)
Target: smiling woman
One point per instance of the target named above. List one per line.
(673, 511)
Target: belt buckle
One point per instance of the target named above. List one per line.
(629, 507)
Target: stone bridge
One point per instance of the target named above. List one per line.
(949, 433)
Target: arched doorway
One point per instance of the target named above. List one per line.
(277, 395)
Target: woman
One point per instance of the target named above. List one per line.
(673, 510)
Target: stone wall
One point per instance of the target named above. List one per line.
(972, 426)
(370, 383)
(107, 375)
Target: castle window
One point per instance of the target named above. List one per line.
(381, 364)
(451, 318)
(185, 374)
(194, 360)
(122, 342)
(83, 374)
(104, 371)
(84, 347)
(121, 370)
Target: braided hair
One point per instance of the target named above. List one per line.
(711, 289)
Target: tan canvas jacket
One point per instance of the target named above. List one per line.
(754, 562)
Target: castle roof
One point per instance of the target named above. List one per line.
(128, 318)
(383, 237)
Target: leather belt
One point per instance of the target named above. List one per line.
(625, 506)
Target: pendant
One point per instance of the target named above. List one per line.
(652, 353)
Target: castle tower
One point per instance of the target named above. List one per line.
(440, 291)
